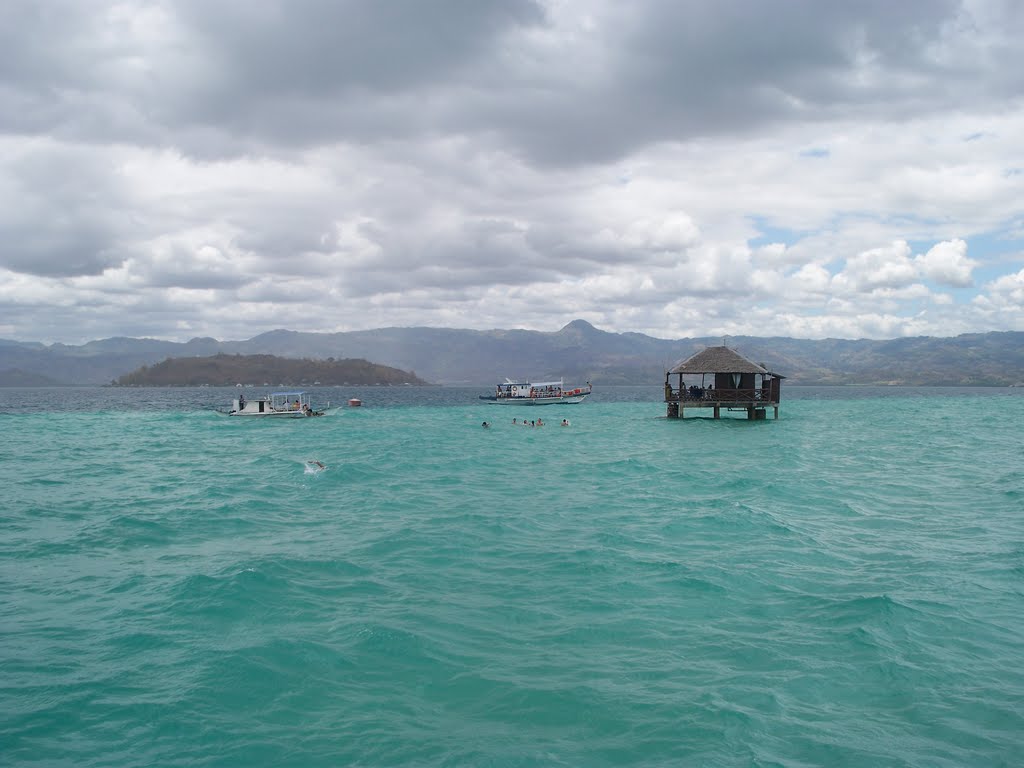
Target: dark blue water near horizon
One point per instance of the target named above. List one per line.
(56, 399)
(841, 587)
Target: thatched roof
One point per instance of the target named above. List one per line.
(717, 360)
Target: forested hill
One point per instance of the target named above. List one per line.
(265, 370)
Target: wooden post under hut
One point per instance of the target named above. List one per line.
(726, 380)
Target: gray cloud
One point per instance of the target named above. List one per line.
(60, 213)
(222, 78)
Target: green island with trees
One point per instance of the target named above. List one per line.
(265, 370)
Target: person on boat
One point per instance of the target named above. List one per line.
(241, 401)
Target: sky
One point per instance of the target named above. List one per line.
(680, 168)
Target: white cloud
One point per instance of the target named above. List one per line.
(811, 278)
(947, 263)
(886, 267)
(1005, 293)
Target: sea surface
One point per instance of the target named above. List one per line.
(841, 587)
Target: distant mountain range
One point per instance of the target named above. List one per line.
(578, 352)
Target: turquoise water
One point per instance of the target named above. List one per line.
(843, 586)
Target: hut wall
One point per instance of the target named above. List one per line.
(725, 381)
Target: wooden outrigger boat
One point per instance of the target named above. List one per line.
(278, 405)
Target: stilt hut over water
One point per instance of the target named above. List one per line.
(719, 377)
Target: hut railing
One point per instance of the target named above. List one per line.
(698, 395)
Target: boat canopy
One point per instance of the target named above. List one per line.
(286, 394)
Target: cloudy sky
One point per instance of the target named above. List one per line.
(181, 168)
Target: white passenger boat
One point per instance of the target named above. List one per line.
(278, 405)
(537, 393)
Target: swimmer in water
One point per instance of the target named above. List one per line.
(317, 464)
(485, 425)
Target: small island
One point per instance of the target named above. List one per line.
(265, 370)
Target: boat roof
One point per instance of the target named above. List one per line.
(286, 394)
(510, 383)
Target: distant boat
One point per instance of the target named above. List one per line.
(537, 393)
(278, 405)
